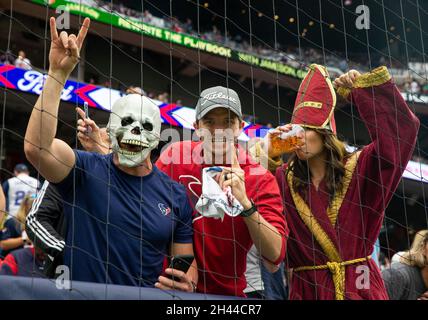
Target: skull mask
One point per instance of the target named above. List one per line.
(134, 129)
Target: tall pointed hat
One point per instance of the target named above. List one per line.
(316, 100)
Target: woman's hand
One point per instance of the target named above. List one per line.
(346, 80)
(274, 134)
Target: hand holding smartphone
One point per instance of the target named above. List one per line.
(181, 262)
(175, 280)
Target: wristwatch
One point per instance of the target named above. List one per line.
(249, 212)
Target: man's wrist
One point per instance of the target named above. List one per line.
(247, 204)
(249, 210)
(58, 75)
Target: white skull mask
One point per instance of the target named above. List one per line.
(134, 128)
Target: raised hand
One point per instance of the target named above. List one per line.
(65, 49)
(346, 80)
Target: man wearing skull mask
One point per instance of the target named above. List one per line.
(122, 213)
(221, 245)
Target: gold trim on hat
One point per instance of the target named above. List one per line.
(324, 72)
(310, 104)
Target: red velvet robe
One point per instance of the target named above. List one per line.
(393, 129)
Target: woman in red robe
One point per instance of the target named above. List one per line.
(335, 200)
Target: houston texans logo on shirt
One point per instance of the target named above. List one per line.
(164, 209)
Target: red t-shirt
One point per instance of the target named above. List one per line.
(221, 246)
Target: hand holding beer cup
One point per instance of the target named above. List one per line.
(284, 139)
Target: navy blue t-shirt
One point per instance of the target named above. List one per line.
(119, 226)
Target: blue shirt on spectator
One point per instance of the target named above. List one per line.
(11, 229)
(119, 226)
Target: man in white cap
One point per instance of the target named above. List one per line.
(123, 215)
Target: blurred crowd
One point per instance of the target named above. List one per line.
(19, 61)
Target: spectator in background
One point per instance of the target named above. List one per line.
(17, 187)
(261, 283)
(136, 90)
(408, 279)
(24, 262)
(188, 27)
(22, 61)
(407, 90)
(2, 204)
(175, 25)
(3, 214)
(384, 262)
(415, 89)
(13, 235)
(147, 16)
(7, 58)
(46, 227)
(253, 275)
(396, 257)
(163, 97)
(107, 84)
(21, 259)
(24, 259)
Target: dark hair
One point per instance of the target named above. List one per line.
(335, 171)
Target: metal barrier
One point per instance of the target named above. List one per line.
(26, 288)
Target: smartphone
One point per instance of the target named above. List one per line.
(181, 262)
(86, 109)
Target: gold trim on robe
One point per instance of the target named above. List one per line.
(335, 265)
(376, 77)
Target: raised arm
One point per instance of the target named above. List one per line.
(392, 126)
(52, 157)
